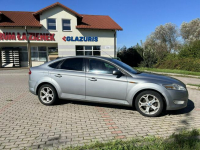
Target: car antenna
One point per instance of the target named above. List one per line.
(108, 54)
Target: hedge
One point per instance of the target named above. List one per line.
(189, 64)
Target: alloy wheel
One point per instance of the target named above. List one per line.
(46, 95)
(149, 104)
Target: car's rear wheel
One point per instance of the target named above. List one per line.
(47, 94)
(149, 103)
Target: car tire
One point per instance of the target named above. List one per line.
(149, 103)
(47, 94)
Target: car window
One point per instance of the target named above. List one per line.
(73, 64)
(100, 67)
(54, 65)
(125, 66)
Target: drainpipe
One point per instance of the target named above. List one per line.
(28, 48)
(115, 44)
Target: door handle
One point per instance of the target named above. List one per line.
(58, 75)
(92, 79)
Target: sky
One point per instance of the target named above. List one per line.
(138, 18)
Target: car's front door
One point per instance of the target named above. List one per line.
(101, 84)
(70, 77)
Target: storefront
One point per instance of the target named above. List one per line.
(33, 38)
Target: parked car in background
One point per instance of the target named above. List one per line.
(106, 80)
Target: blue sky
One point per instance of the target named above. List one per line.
(138, 18)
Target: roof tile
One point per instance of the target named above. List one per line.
(20, 18)
(54, 5)
(98, 22)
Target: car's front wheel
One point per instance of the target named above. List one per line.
(47, 94)
(149, 103)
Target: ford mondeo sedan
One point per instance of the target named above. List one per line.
(106, 80)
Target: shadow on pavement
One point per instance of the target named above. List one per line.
(186, 110)
(63, 102)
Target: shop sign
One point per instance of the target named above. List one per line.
(80, 39)
(31, 36)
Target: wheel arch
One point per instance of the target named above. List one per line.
(149, 89)
(38, 87)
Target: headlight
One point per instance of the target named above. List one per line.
(174, 87)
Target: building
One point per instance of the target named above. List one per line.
(32, 38)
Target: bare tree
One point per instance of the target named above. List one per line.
(191, 31)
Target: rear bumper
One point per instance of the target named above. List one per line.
(174, 97)
(31, 87)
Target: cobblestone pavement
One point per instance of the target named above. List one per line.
(25, 122)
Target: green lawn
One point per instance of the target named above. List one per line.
(186, 140)
(183, 72)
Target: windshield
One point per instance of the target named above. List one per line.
(125, 66)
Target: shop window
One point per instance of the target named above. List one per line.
(51, 24)
(88, 50)
(66, 24)
(39, 53)
(23, 53)
(52, 52)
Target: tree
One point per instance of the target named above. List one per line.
(191, 31)
(191, 50)
(130, 56)
(163, 40)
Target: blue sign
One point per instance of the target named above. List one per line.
(80, 39)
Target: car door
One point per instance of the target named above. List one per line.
(70, 77)
(101, 84)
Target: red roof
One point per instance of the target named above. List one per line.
(54, 5)
(19, 18)
(98, 22)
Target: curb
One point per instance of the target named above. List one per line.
(193, 87)
(172, 74)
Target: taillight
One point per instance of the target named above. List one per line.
(29, 71)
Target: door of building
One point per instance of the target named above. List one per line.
(10, 57)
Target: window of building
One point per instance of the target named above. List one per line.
(88, 50)
(66, 25)
(39, 53)
(100, 67)
(73, 64)
(51, 24)
(23, 53)
(53, 53)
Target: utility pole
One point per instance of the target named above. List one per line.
(28, 48)
(115, 44)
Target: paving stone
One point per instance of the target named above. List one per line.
(26, 123)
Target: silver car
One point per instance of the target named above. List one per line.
(106, 80)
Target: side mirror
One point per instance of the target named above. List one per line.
(117, 72)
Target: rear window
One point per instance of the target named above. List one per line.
(54, 65)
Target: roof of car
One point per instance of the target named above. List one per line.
(107, 58)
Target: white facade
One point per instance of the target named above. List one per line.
(106, 38)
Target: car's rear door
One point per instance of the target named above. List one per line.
(70, 77)
(101, 84)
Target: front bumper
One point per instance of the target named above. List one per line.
(177, 99)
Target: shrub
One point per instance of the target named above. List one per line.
(189, 64)
(191, 50)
